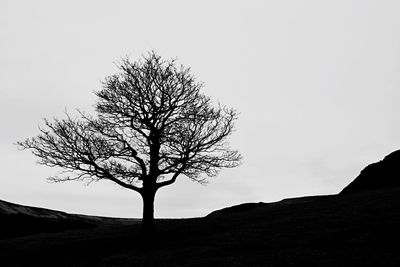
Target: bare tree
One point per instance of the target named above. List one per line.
(152, 124)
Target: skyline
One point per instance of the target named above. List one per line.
(316, 85)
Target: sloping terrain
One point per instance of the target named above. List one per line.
(18, 220)
(360, 229)
(378, 175)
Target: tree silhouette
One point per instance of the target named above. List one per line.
(152, 124)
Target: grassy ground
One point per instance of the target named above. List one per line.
(354, 230)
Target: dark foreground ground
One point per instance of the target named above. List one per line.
(351, 230)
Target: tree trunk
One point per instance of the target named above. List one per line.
(148, 211)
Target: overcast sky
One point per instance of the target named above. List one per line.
(317, 85)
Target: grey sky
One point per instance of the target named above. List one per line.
(316, 83)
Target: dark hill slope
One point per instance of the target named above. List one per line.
(360, 229)
(382, 174)
(19, 220)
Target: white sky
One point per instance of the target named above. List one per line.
(317, 85)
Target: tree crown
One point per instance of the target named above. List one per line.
(152, 124)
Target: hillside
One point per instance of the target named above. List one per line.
(378, 175)
(359, 229)
(19, 220)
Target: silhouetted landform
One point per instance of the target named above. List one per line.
(245, 207)
(348, 230)
(382, 174)
(18, 220)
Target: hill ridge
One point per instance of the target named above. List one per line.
(384, 173)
